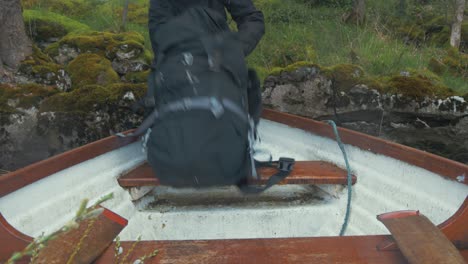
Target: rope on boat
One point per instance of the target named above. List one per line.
(348, 168)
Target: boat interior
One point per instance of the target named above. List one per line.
(311, 203)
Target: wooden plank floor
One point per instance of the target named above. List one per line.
(304, 172)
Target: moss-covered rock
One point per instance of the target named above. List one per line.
(137, 77)
(345, 76)
(125, 50)
(91, 98)
(89, 69)
(425, 24)
(110, 45)
(38, 58)
(23, 96)
(418, 85)
(84, 99)
(374, 83)
(45, 26)
(276, 71)
(39, 68)
(126, 91)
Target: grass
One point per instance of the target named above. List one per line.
(320, 31)
(296, 31)
(69, 24)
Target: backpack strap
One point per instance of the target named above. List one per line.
(284, 165)
(217, 106)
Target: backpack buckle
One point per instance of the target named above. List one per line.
(286, 164)
(216, 107)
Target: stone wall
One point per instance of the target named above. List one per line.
(437, 125)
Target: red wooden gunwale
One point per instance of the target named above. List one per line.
(11, 240)
(439, 165)
(356, 249)
(18, 179)
(442, 166)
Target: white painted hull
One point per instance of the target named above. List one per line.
(384, 184)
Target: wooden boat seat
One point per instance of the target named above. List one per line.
(419, 239)
(304, 172)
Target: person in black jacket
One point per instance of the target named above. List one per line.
(250, 25)
(249, 20)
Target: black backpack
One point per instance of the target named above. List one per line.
(201, 130)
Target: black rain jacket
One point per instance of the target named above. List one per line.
(249, 20)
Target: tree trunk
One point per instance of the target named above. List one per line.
(124, 15)
(457, 24)
(359, 10)
(15, 45)
(357, 14)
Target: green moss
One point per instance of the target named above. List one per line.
(118, 90)
(43, 25)
(91, 97)
(102, 43)
(73, 8)
(137, 13)
(76, 8)
(262, 73)
(375, 83)
(437, 66)
(457, 62)
(84, 99)
(40, 56)
(25, 95)
(39, 65)
(89, 69)
(148, 56)
(26, 4)
(417, 85)
(423, 25)
(345, 76)
(290, 53)
(276, 71)
(137, 77)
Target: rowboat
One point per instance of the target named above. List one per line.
(297, 221)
